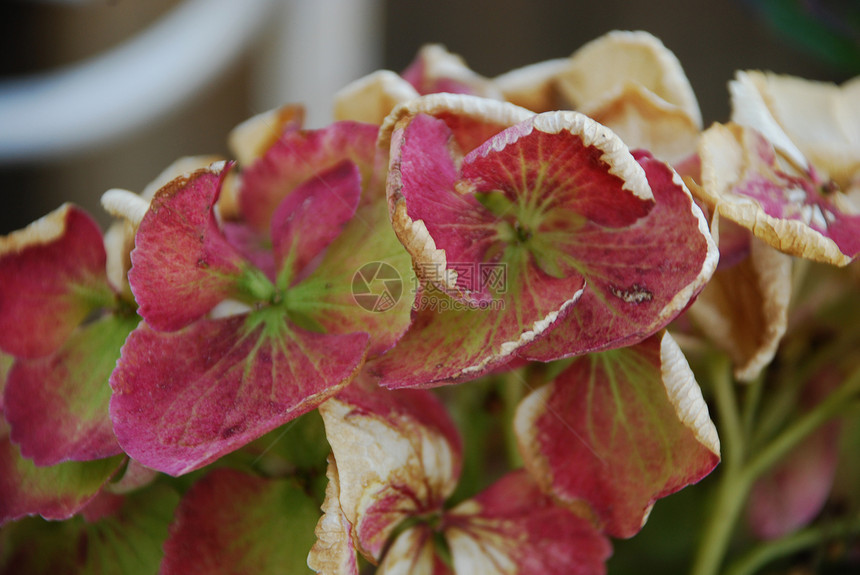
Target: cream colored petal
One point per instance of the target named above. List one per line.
(379, 457)
(371, 98)
(250, 139)
(333, 553)
(440, 64)
(410, 554)
(821, 119)
(744, 308)
(686, 395)
(44, 230)
(643, 120)
(600, 71)
(533, 86)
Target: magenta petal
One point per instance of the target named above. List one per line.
(514, 524)
(53, 277)
(183, 399)
(639, 277)
(313, 215)
(182, 265)
(298, 156)
(57, 406)
(231, 522)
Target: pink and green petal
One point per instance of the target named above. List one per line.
(124, 535)
(513, 527)
(231, 522)
(54, 276)
(55, 492)
(300, 155)
(183, 399)
(754, 184)
(450, 341)
(398, 456)
(57, 406)
(311, 217)
(638, 277)
(365, 282)
(182, 264)
(618, 430)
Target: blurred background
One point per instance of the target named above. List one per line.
(106, 93)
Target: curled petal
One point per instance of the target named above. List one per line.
(371, 98)
(398, 456)
(618, 430)
(333, 553)
(600, 71)
(749, 182)
(435, 70)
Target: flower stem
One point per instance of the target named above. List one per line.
(804, 539)
(733, 488)
(738, 475)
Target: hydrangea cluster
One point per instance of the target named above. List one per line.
(444, 333)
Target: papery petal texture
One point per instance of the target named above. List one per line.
(749, 182)
(618, 430)
(54, 276)
(183, 399)
(398, 456)
(333, 552)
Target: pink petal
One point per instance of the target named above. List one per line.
(54, 276)
(298, 156)
(57, 406)
(639, 277)
(617, 431)
(182, 265)
(183, 399)
(513, 527)
(231, 522)
(313, 215)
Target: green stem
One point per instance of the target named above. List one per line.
(831, 406)
(733, 488)
(804, 539)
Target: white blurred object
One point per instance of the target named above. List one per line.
(319, 46)
(322, 45)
